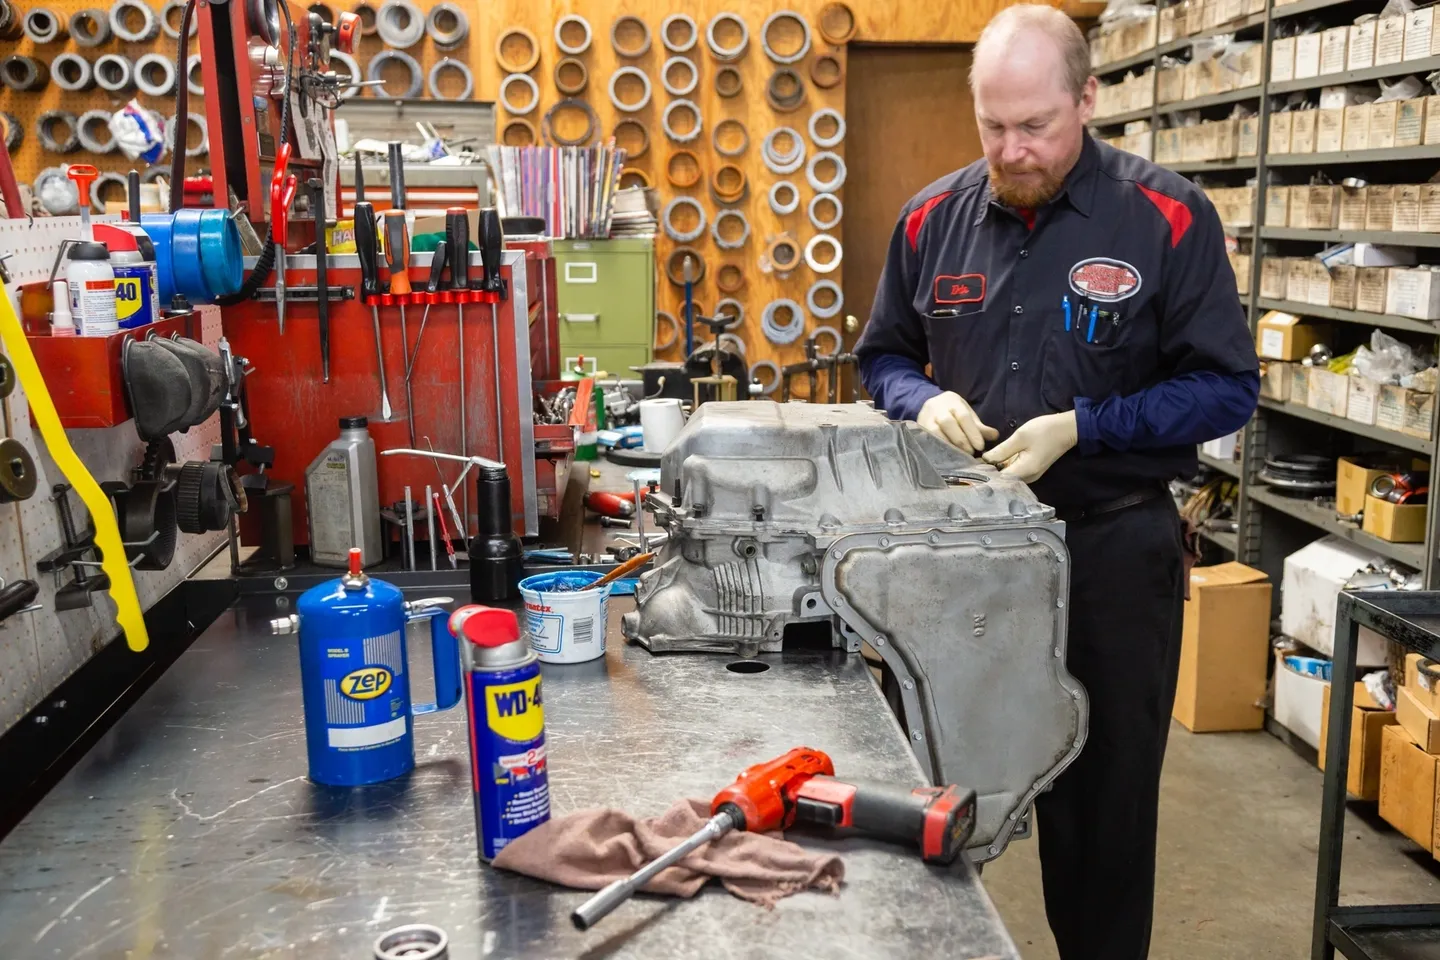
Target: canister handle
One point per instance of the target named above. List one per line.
(445, 653)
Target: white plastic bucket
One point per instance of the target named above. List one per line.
(660, 420)
(565, 625)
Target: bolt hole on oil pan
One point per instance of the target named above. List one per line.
(747, 666)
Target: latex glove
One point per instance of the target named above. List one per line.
(950, 418)
(1035, 446)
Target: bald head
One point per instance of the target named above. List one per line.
(1032, 37)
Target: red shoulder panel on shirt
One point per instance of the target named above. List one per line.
(1175, 213)
(916, 219)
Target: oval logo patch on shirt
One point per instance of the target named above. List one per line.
(1104, 279)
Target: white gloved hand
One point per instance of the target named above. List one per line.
(1035, 446)
(950, 418)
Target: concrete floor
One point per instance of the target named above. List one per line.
(1239, 818)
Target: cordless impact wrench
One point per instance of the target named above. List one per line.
(800, 787)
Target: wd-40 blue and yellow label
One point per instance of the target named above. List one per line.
(134, 298)
(507, 754)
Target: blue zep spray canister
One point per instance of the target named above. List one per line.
(355, 678)
(507, 727)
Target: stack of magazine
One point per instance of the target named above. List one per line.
(633, 213)
(572, 188)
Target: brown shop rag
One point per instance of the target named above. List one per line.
(589, 849)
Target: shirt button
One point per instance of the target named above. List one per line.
(1010, 423)
(1014, 366)
(1024, 254)
(1019, 309)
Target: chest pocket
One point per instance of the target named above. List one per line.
(1090, 360)
(957, 294)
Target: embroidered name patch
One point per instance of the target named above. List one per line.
(966, 288)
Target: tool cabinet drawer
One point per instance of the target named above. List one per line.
(613, 359)
(605, 295)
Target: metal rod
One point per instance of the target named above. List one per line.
(640, 517)
(409, 397)
(430, 522)
(409, 532)
(499, 417)
(386, 413)
(464, 531)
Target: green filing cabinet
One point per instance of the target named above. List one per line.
(606, 301)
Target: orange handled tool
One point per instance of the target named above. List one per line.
(84, 175)
(397, 251)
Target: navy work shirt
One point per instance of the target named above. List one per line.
(1153, 352)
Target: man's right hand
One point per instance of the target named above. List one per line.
(950, 418)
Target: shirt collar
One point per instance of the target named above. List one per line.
(1078, 188)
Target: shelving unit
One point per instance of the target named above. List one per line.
(1270, 524)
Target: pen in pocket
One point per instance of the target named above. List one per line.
(1065, 302)
(1090, 333)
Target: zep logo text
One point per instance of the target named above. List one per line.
(514, 710)
(367, 683)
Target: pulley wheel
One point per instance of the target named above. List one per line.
(17, 469)
(146, 509)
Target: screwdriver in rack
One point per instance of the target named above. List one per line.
(457, 238)
(432, 285)
(397, 259)
(367, 246)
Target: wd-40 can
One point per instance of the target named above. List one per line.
(507, 727)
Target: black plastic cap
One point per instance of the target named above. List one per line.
(353, 423)
(89, 250)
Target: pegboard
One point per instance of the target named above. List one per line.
(38, 650)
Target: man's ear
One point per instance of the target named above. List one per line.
(1087, 100)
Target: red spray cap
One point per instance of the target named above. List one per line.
(118, 239)
(485, 626)
(355, 554)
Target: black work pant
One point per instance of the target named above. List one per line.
(1097, 825)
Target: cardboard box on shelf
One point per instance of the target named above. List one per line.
(1432, 120)
(1406, 218)
(1333, 43)
(1170, 85)
(1371, 284)
(1417, 717)
(1352, 208)
(1167, 146)
(1221, 448)
(1342, 287)
(1299, 385)
(1272, 278)
(1413, 292)
(1275, 379)
(1382, 255)
(1419, 25)
(1396, 522)
(1379, 207)
(1410, 123)
(1330, 130)
(1329, 392)
(1281, 125)
(1324, 211)
(1277, 208)
(1299, 700)
(1367, 721)
(1389, 41)
(1225, 134)
(1390, 409)
(1282, 59)
(1360, 52)
(1240, 265)
(1307, 56)
(1300, 207)
(1419, 414)
(1167, 23)
(1284, 336)
(1407, 786)
(1422, 682)
(1297, 285)
(1364, 395)
(1247, 141)
(1224, 649)
(1252, 62)
(1319, 288)
(1430, 208)
(1353, 476)
(1193, 148)
(1302, 131)
(1313, 578)
(1383, 118)
(1357, 127)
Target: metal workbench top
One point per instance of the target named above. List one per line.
(191, 831)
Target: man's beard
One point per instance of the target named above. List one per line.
(1024, 195)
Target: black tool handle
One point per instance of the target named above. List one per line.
(17, 596)
(492, 239)
(322, 270)
(437, 266)
(397, 176)
(367, 245)
(359, 180)
(132, 194)
(936, 820)
(457, 236)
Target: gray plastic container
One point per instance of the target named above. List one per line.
(342, 496)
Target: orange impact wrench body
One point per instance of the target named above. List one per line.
(800, 786)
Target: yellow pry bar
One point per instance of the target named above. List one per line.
(107, 532)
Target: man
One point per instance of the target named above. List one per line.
(1082, 330)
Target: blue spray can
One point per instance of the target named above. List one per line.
(355, 679)
(507, 727)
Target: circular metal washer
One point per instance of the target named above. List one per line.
(670, 108)
(525, 66)
(813, 208)
(774, 368)
(823, 240)
(432, 80)
(43, 26)
(417, 75)
(633, 52)
(783, 207)
(787, 163)
(91, 28)
(149, 22)
(571, 63)
(778, 333)
(414, 941)
(46, 130)
(825, 143)
(18, 475)
(643, 102)
(152, 62)
(686, 20)
(737, 310)
(678, 90)
(835, 182)
(730, 214)
(576, 48)
(727, 53)
(770, 21)
(659, 316)
(825, 313)
(525, 80)
(88, 120)
(400, 23)
(683, 236)
(72, 72)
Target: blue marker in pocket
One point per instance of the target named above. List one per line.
(1090, 333)
(1065, 302)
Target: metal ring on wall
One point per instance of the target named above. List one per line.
(824, 113)
(615, 97)
(97, 202)
(825, 313)
(770, 21)
(347, 88)
(532, 138)
(835, 182)
(679, 46)
(525, 66)
(670, 108)
(633, 52)
(682, 236)
(677, 90)
(432, 80)
(417, 78)
(194, 76)
(774, 368)
(13, 129)
(728, 54)
(783, 163)
(814, 211)
(735, 342)
(670, 169)
(675, 265)
(787, 102)
(571, 63)
(727, 195)
(828, 32)
(365, 10)
(89, 120)
(780, 206)
(72, 72)
(792, 258)
(525, 80)
(171, 30)
(728, 81)
(737, 311)
(175, 143)
(149, 63)
(453, 37)
(150, 23)
(592, 123)
(114, 73)
(744, 134)
(720, 218)
(633, 177)
(573, 49)
(782, 333)
(43, 26)
(56, 131)
(629, 122)
(52, 183)
(400, 24)
(91, 27)
(674, 330)
(823, 79)
(25, 74)
(831, 332)
(729, 278)
(816, 242)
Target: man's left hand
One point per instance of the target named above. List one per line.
(1030, 450)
